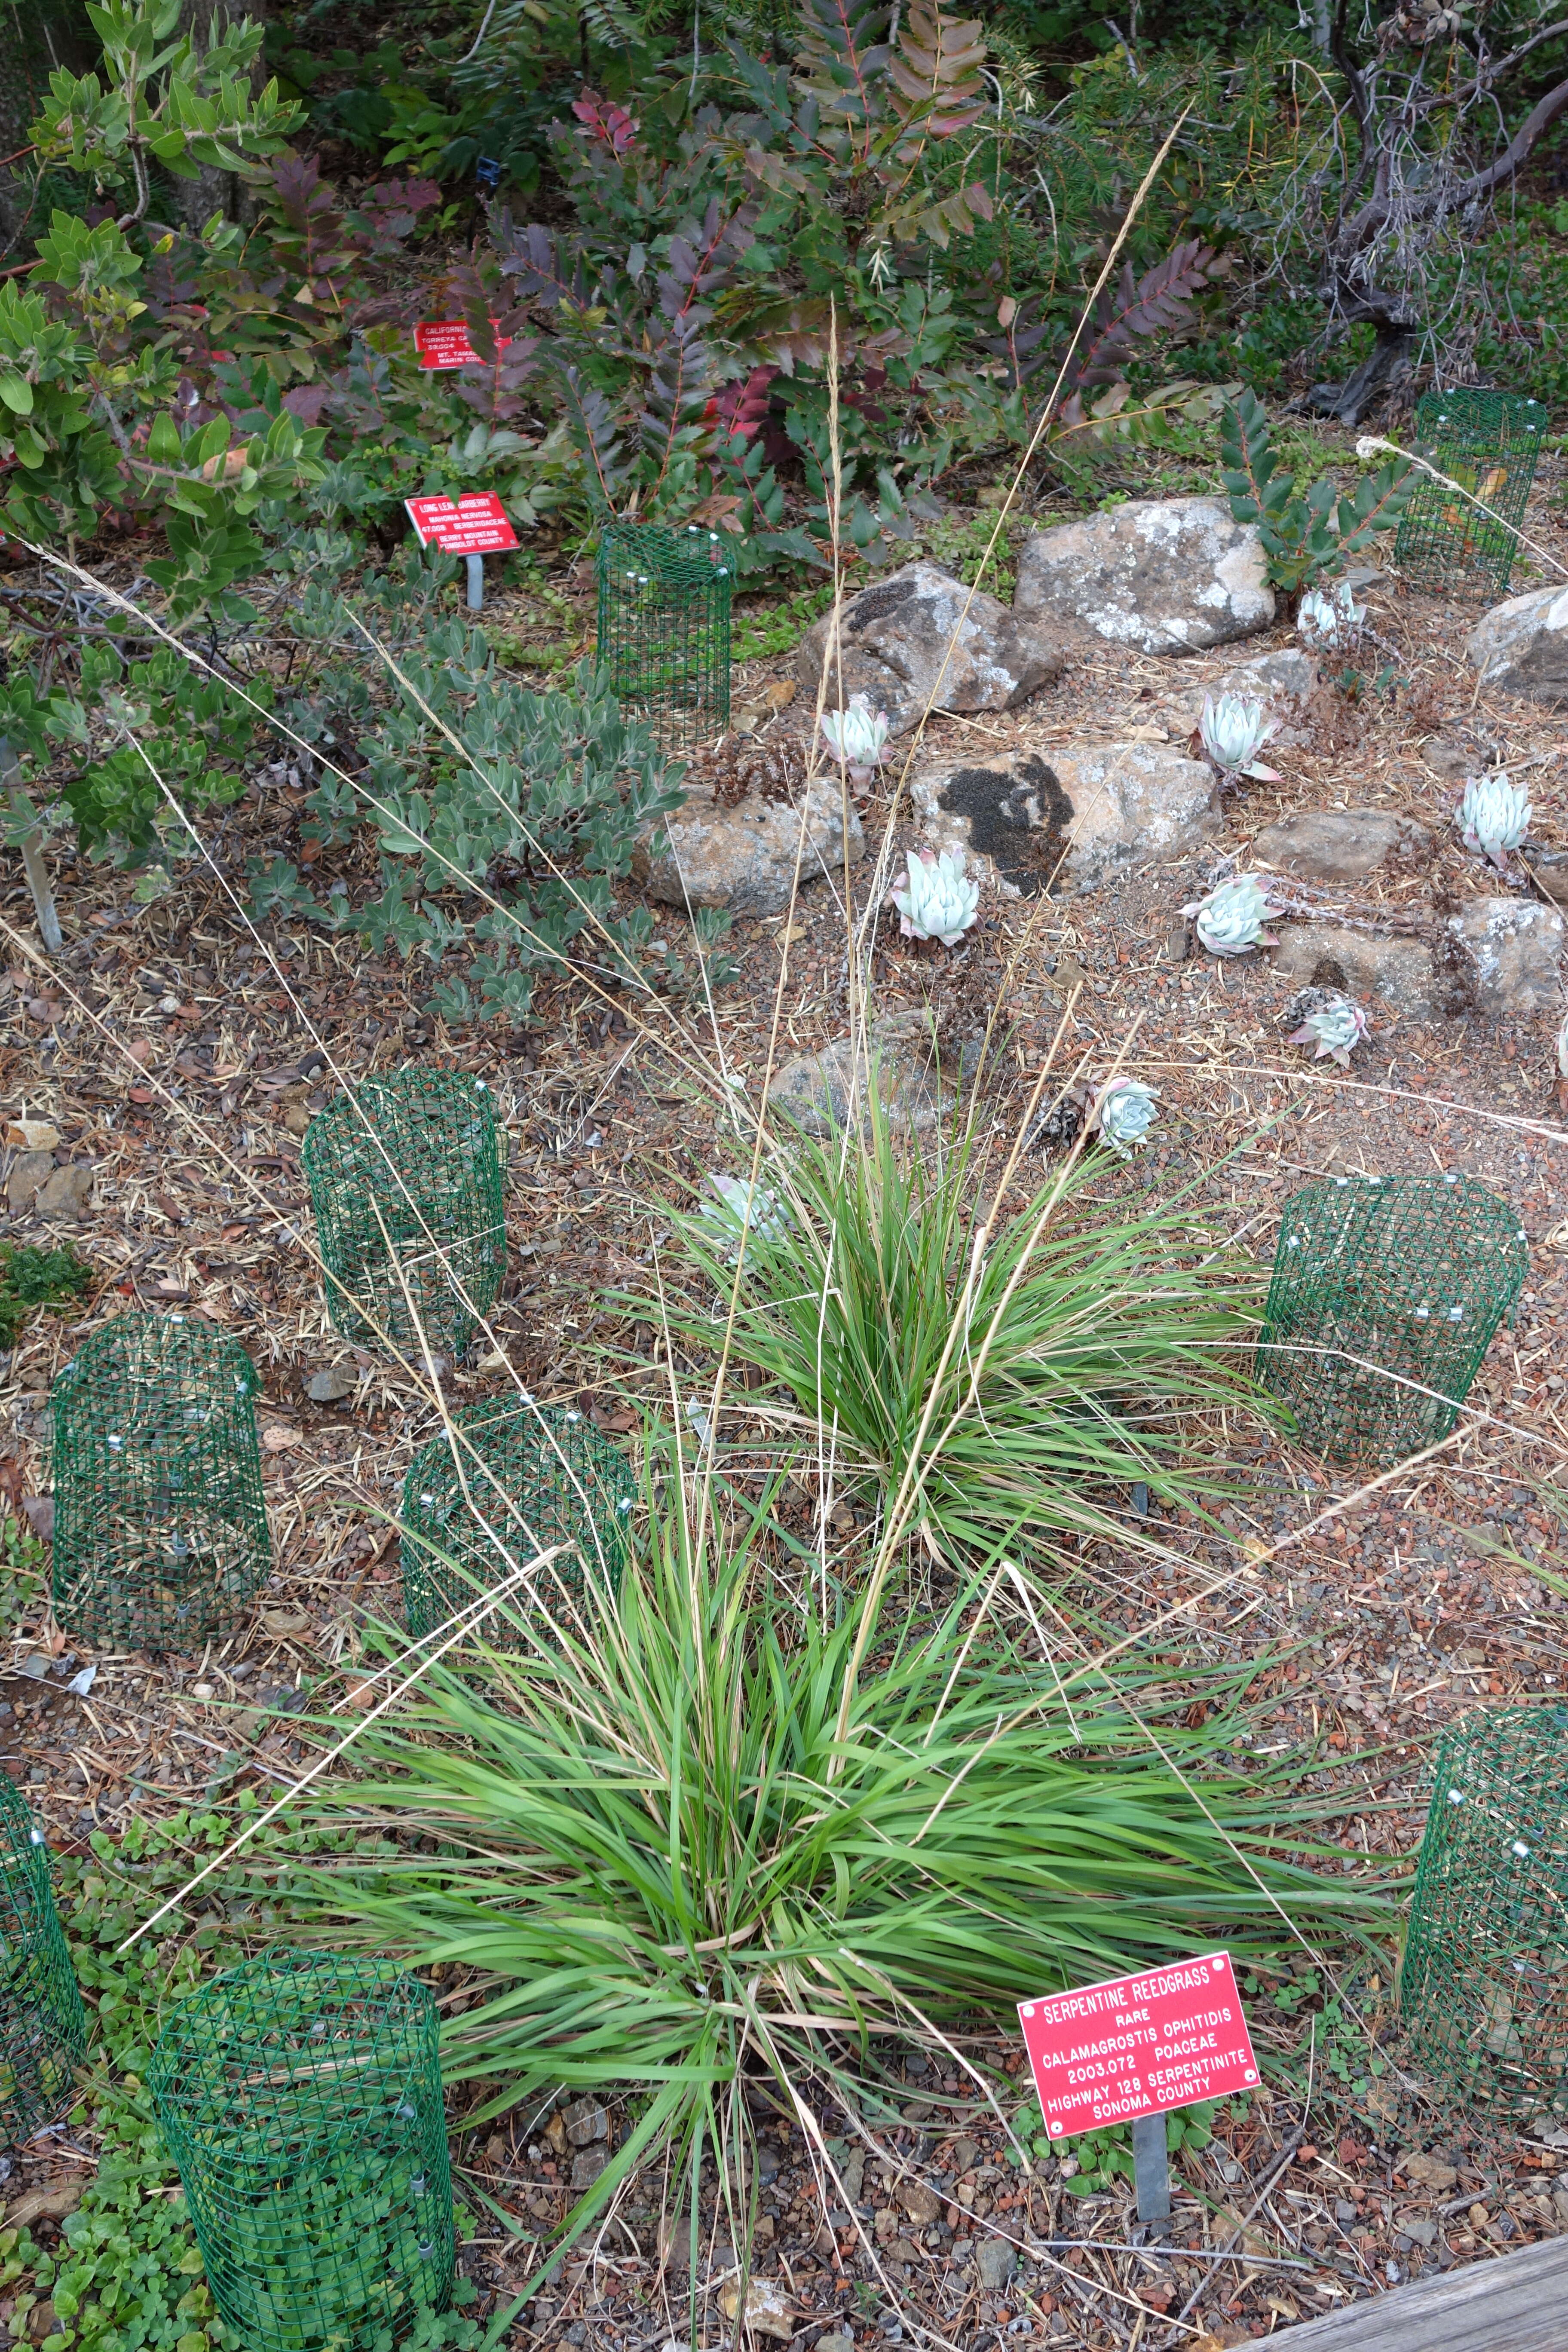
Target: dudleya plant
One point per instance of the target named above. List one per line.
(1233, 731)
(1331, 623)
(744, 1208)
(1336, 1028)
(857, 736)
(1493, 817)
(1122, 1112)
(1231, 919)
(936, 898)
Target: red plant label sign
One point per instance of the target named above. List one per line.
(444, 342)
(1139, 2045)
(477, 525)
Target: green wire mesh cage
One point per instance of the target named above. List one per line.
(1487, 443)
(536, 1476)
(664, 627)
(1385, 1293)
(43, 2026)
(1484, 1985)
(405, 1182)
(299, 2095)
(160, 1537)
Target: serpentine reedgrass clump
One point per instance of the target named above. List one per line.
(741, 1823)
(989, 1368)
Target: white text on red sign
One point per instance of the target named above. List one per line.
(1139, 2045)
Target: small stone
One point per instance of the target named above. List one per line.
(919, 639)
(1451, 761)
(284, 1623)
(966, 2153)
(1340, 844)
(1430, 2172)
(1165, 576)
(584, 2120)
(816, 1089)
(29, 1171)
(996, 2260)
(852, 2172)
(1520, 646)
(330, 1386)
(770, 2309)
(35, 1665)
(835, 2344)
(1330, 955)
(1178, 944)
(1514, 946)
(920, 2203)
(744, 858)
(903, 2252)
(588, 2165)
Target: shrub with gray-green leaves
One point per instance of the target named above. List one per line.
(479, 790)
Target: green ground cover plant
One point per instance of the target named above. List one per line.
(33, 1278)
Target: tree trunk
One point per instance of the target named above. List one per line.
(213, 191)
(1387, 360)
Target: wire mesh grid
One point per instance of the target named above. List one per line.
(1385, 1293)
(1484, 1985)
(1487, 442)
(536, 1476)
(299, 2095)
(160, 1537)
(42, 2025)
(664, 627)
(405, 1183)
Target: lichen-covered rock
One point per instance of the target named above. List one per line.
(1513, 948)
(1340, 845)
(1330, 955)
(1071, 824)
(1165, 575)
(744, 857)
(1520, 646)
(921, 639)
(821, 1091)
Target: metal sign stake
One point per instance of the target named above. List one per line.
(476, 564)
(1150, 2169)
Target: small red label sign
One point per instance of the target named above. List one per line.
(1139, 2045)
(444, 342)
(477, 525)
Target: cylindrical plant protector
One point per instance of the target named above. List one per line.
(1385, 1293)
(664, 627)
(161, 1539)
(42, 2025)
(1484, 1985)
(300, 2097)
(405, 1182)
(513, 1479)
(1487, 443)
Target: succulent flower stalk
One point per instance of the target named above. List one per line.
(1336, 1029)
(1493, 817)
(1124, 1110)
(1331, 623)
(936, 898)
(1233, 731)
(857, 736)
(1231, 919)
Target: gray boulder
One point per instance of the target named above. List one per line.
(744, 857)
(1092, 811)
(1330, 955)
(921, 638)
(1510, 949)
(1165, 575)
(1520, 646)
(1340, 845)
(817, 1090)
